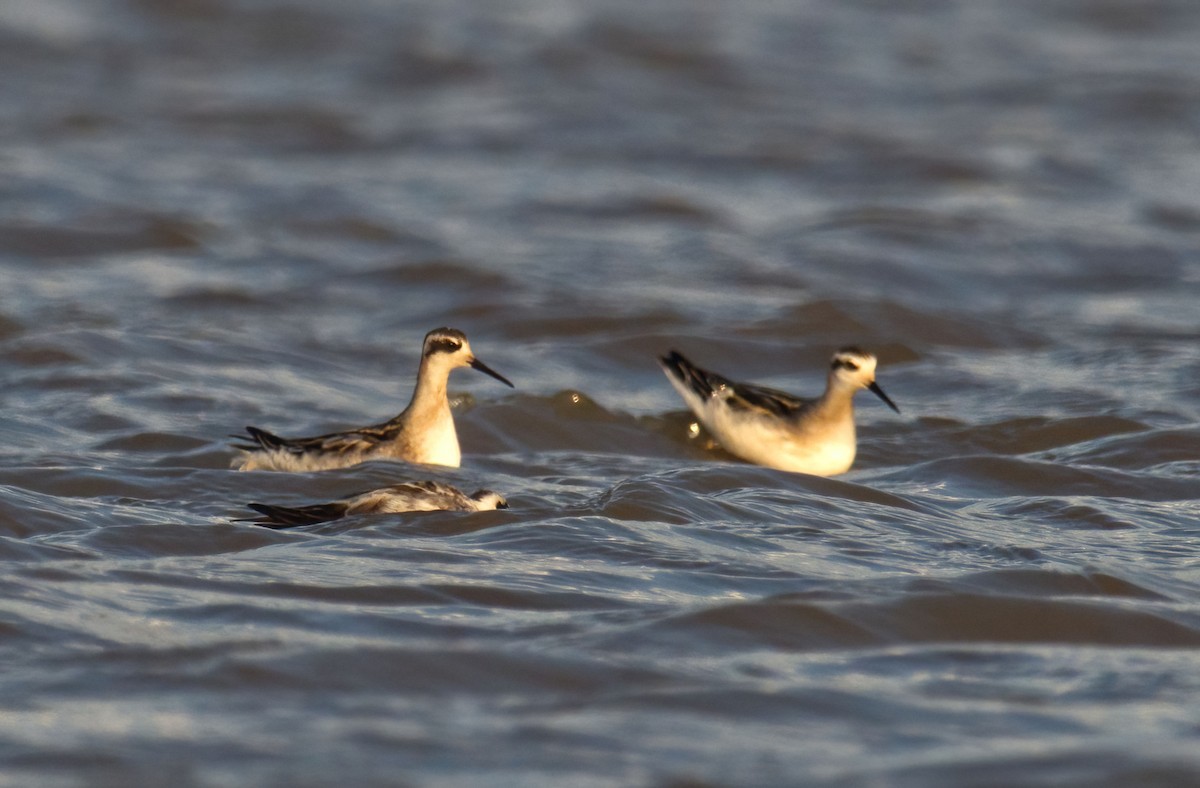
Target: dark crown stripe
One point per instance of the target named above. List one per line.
(446, 333)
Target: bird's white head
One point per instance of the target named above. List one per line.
(487, 499)
(854, 368)
(449, 348)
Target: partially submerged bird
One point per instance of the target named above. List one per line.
(773, 428)
(423, 433)
(408, 497)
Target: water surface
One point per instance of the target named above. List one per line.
(230, 212)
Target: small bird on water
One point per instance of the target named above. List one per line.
(408, 497)
(773, 428)
(423, 433)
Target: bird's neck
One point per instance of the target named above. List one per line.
(429, 394)
(838, 400)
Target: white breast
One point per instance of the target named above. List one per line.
(778, 444)
(437, 443)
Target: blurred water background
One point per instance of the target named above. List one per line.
(225, 212)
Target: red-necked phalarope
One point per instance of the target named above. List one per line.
(773, 428)
(407, 497)
(423, 433)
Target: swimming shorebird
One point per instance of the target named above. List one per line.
(422, 433)
(407, 497)
(773, 428)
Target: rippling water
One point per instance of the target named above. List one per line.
(229, 212)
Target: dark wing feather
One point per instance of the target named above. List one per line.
(266, 440)
(256, 439)
(739, 396)
(278, 517)
(359, 440)
(745, 396)
(699, 380)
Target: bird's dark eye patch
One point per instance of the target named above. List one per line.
(841, 363)
(443, 346)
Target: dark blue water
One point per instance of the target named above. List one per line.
(225, 212)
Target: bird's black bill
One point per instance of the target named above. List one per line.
(484, 368)
(874, 387)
